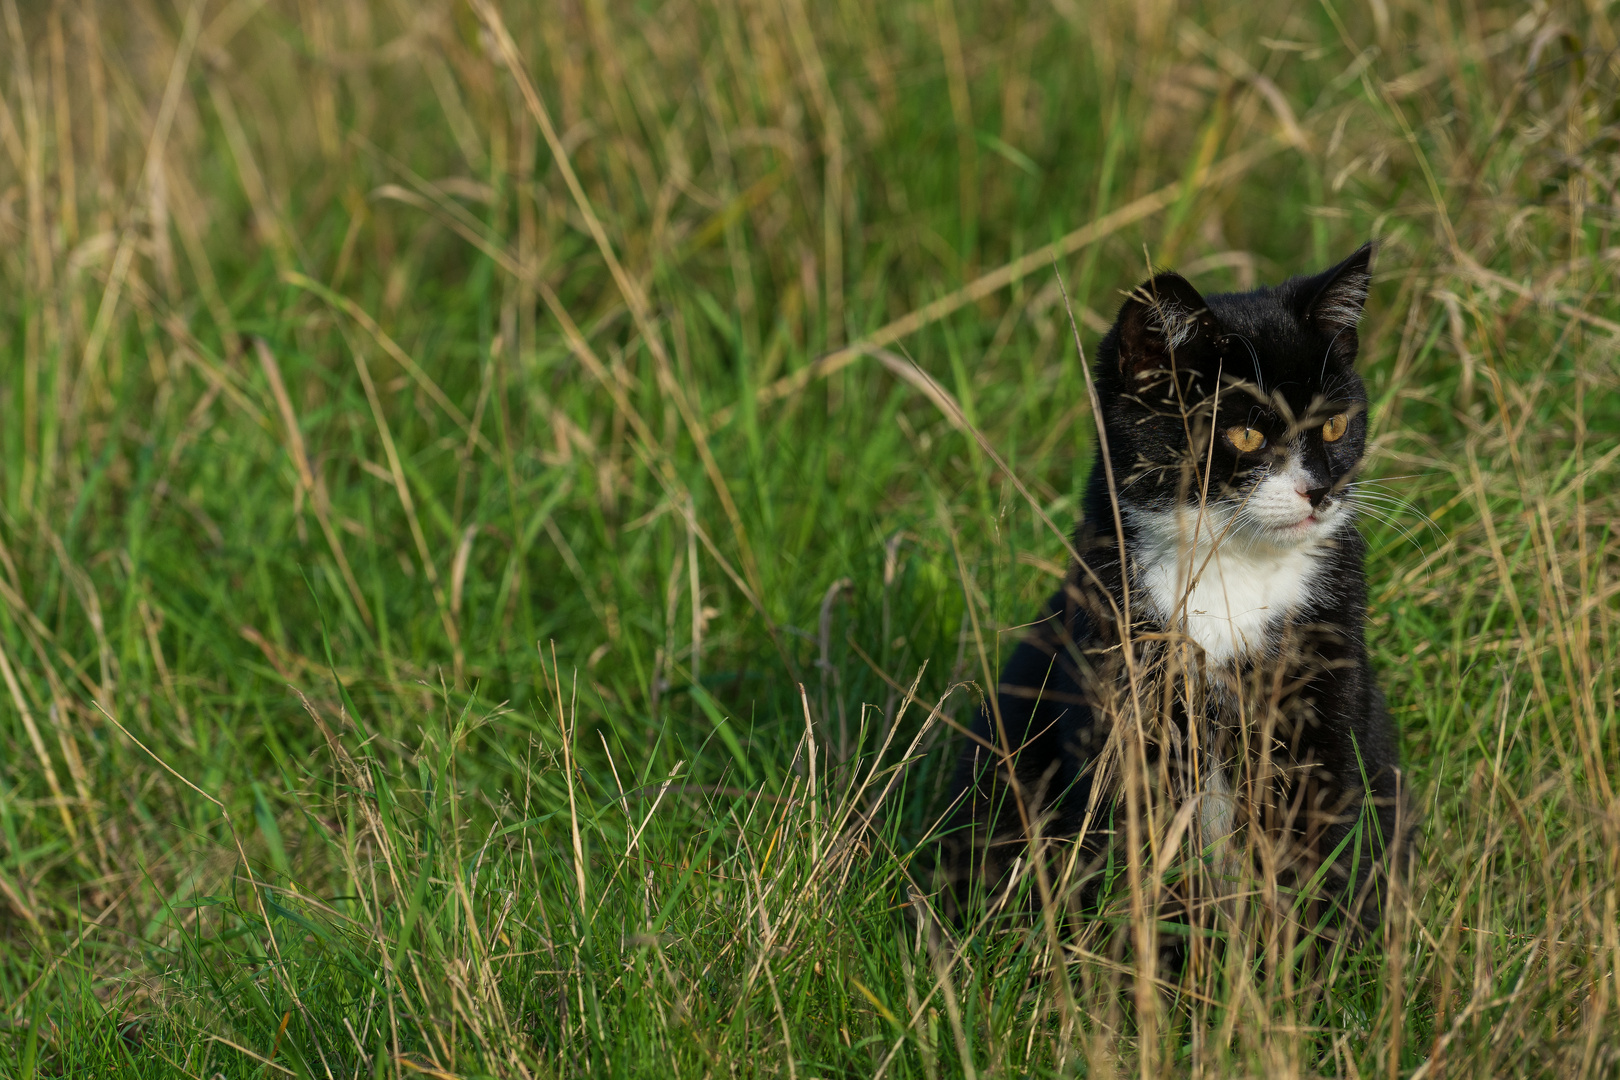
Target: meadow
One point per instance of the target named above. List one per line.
(504, 510)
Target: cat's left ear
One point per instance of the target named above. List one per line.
(1165, 323)
(1332, 300)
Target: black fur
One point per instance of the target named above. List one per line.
(1282, 359)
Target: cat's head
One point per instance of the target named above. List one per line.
(1246, 405)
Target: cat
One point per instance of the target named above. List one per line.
(1207, 647)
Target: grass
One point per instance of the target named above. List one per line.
(466, 611)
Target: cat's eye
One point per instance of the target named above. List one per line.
(1246, 439)
(1334, 429)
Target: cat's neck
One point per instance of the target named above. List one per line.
(1229, 590)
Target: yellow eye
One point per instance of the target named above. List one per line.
(1334, 429)
(1246, 439)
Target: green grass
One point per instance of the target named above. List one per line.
(431, 651)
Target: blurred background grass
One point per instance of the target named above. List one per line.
(462, 549)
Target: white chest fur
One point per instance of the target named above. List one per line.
(1227, 595)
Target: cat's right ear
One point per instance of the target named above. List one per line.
(1164, 323)
(1334, 298)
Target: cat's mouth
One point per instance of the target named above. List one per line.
(1316, 519)
(1298, 530)
(1276, 508)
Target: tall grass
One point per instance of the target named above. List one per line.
(503, 511)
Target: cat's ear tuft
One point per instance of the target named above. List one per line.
(1333, 299)
(1164, 319)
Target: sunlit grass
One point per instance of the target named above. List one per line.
(485, 592)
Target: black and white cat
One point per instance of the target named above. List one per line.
(1208, 640)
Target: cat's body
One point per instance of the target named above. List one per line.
(1232, 428)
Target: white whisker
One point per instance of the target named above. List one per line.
(1384, 518)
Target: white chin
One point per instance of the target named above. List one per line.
(1287, 531)
(1306, 529)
